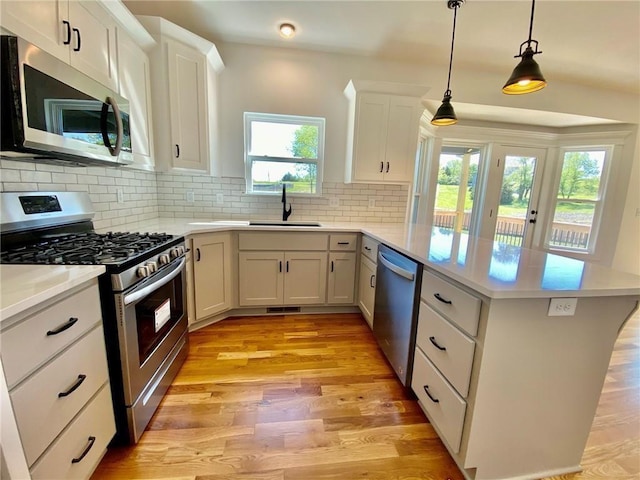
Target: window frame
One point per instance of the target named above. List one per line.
(600, 203)
(319, 122)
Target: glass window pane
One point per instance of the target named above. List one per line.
(581, 172)
(572, 222)
(284, 140)
(457, 174)
(269, 176)
(515, 195)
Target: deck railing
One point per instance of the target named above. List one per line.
(510, 230)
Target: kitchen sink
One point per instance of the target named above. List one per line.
(277, 223)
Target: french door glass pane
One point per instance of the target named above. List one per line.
(515, 196)
(457, 174)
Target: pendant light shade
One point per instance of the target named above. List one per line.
(526, 77)
(445, 115)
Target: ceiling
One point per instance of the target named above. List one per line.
(585, 42)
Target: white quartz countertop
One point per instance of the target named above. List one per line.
(24, 286)
(492, 269)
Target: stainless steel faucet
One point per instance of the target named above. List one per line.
(286, 212)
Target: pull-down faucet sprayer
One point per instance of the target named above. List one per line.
(286, 212)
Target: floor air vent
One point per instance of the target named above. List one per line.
(283, 309)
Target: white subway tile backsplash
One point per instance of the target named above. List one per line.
(148, 195)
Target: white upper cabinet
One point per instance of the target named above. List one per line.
(382, 133)
(81, 33)
(183, 72)
(135, 85)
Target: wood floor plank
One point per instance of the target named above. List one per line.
(311, 397)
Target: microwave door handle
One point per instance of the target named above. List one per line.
(143, 292)
(110, 102)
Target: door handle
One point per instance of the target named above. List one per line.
(372, 279)
(381, 166)
(177, 151)
(332, 265)
(387, 171)
(197, 254)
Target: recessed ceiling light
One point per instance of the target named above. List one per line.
(287, 30)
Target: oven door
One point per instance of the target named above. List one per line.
(152, 320)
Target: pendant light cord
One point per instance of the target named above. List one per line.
(533, 6)
(453, 38)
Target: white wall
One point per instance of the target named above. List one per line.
(627, 255)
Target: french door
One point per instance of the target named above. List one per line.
(515, 186)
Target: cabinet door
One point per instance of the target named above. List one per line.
(342, 277)
(305, 280)
(370, 136)
(260, 278)
(39, 22)
(133, 68)
(367, 288)
(212, 274)
(402, 139)
(188, 104)
(93, 42)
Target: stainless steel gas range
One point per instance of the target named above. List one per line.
(142, 293)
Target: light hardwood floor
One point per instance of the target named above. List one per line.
(311, 397)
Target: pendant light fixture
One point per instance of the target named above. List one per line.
(526, 77)
(445, 115)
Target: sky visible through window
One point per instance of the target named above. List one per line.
(274, 140)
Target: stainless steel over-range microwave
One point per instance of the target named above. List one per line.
(51, 112)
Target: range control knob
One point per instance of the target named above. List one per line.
(164, 259)
(181, 250)
(142, 272)
(174, 253)
(152, 267)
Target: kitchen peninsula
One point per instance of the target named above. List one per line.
(535, 374)
(534, 377)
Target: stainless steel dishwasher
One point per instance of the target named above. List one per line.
(395, 314)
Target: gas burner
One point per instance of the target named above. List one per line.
(86, 248)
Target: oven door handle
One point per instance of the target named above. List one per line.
(143, 292)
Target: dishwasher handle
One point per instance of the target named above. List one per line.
(395, 268)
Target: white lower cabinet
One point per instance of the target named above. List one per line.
(211, 259)
(342, 277)
(55, 369)
(367, 279)
(443, 404)
(282, 278)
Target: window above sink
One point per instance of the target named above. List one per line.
(283, 149)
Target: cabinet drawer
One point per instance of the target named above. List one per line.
(455, 304)
(40, 412)
(346, 242)
(455, 361)
(370, 248)
(282, 241)
(446, 409)
(27, 344)
(95, 421)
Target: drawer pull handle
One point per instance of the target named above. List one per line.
(435, 344)
(65, 326)
(343, 243)
(426, 390)
(366, 247)
(331, 266)
(443, 300)
(74, 387)
(92, 440)
(372, 281)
